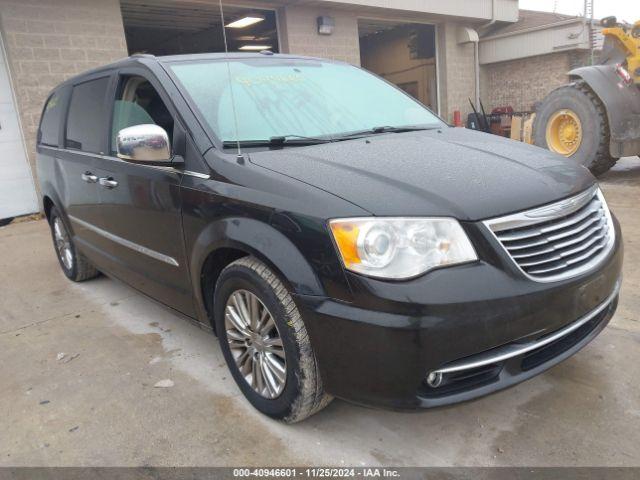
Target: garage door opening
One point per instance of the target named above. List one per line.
(404, 54)
(171, 28)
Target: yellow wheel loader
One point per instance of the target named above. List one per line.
(595, 119)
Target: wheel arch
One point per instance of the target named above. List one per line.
(229, 239)
(49, 200)
(47, 205)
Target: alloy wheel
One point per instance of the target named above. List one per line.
(63, 243)
(255, 343)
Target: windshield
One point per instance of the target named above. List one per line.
(276, 97)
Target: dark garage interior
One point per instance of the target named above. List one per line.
(165, 28)
(404, 54)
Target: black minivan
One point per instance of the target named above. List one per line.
(337, 236)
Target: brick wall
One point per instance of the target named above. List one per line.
(457, 72)
(299, 34)
(523, 82)
(48, 42)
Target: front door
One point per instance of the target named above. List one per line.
(17, 191)
(141, 204)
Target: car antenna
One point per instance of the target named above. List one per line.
(233, 102)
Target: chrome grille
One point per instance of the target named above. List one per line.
(560, 240)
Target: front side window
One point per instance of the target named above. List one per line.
(50, 123)
(86, 120)
(281, 97)
(138, 103)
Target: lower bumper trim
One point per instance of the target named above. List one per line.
(512, 350)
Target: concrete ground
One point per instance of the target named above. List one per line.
(97, 405)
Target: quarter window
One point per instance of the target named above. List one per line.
(138, 103)
(86, 120)
(50, 123)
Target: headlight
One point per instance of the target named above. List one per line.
(400, 248)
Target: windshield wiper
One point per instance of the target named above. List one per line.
(299, 140)
(278, 141)
(382, 129)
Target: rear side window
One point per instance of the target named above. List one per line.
(86, 120)
(50, 122)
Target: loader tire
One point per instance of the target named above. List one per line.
(592, 147)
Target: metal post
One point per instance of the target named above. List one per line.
(588, 19)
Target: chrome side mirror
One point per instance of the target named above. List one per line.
(144, 144)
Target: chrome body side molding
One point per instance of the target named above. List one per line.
(126, 243)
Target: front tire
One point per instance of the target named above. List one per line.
(273, 346)
(572, 121)
(74, 264)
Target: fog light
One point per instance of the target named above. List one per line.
(434, 379)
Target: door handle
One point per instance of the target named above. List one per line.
(108, 182)
(89, 177)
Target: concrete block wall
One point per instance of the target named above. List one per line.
(457, 72)
(299, 34)
(523, 82)
(48, 42)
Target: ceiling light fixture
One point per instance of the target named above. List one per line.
(247, 20)
(252, 38)
(255, 48)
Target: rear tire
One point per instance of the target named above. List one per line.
(578, 98)
(301, 394)
(74, 264)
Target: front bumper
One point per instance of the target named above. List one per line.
(482, 326)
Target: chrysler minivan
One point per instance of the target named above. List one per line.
(338, 237)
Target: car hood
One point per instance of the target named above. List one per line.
(450, 172)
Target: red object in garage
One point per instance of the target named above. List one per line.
(457, 118)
